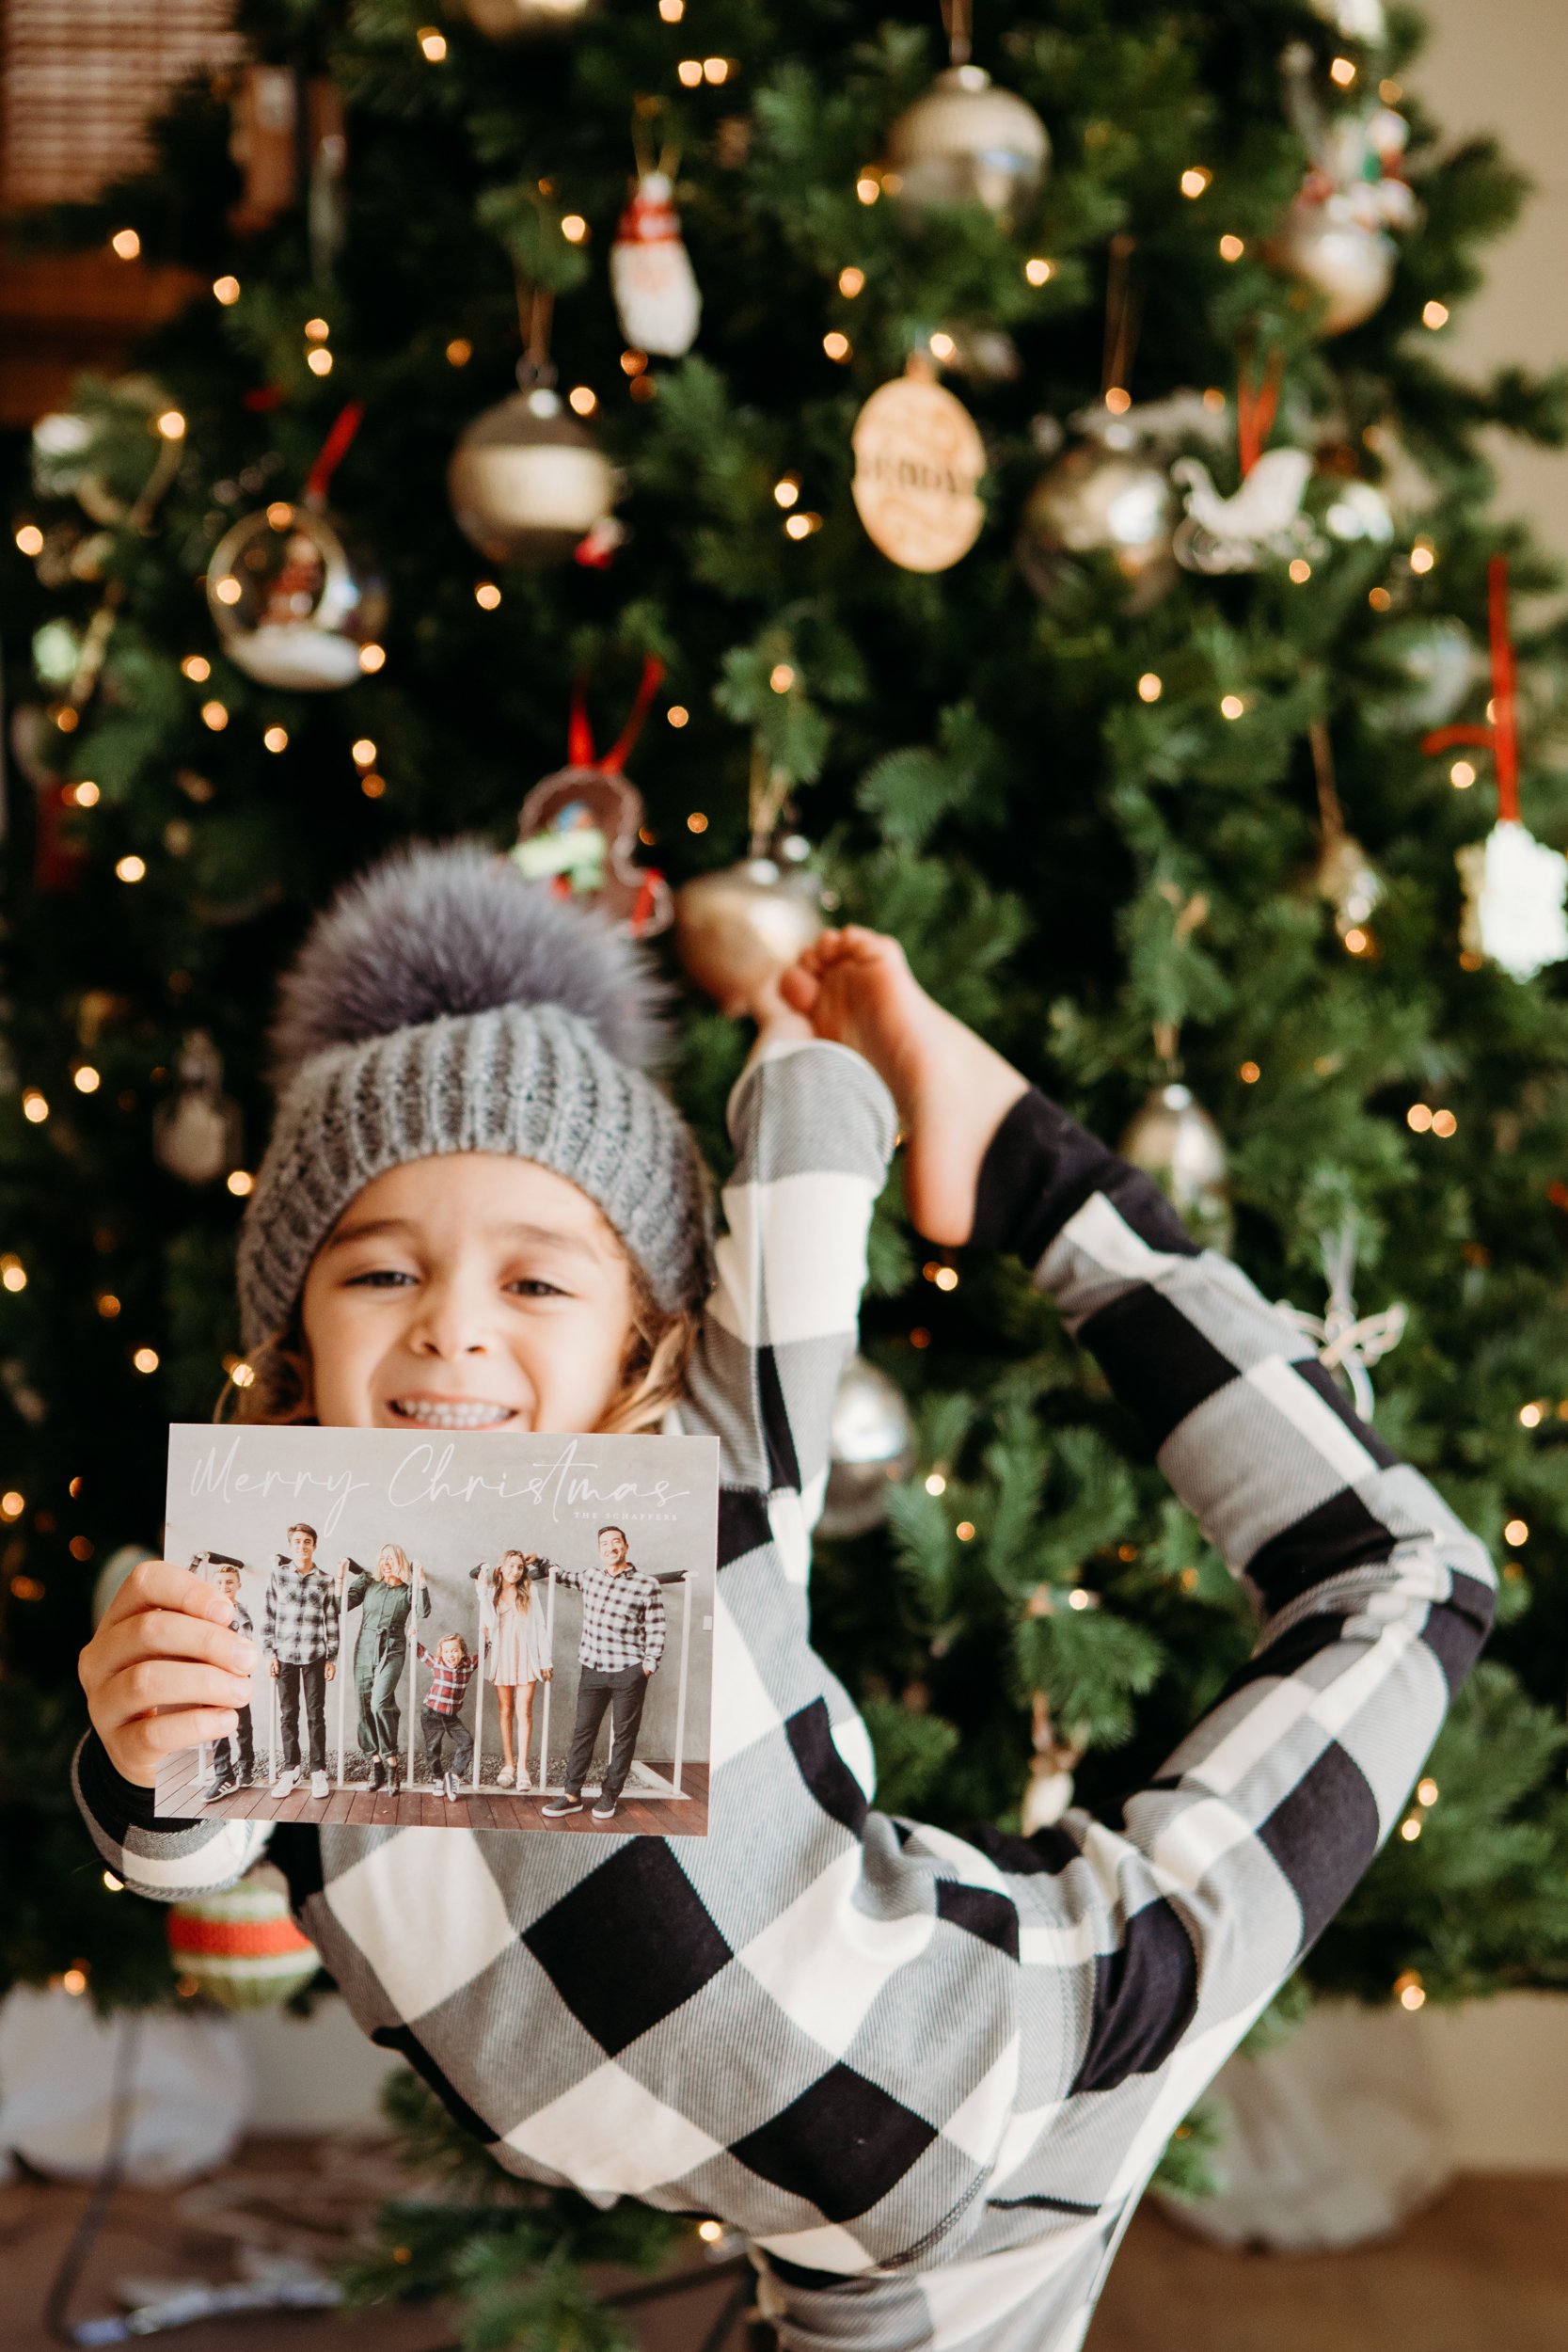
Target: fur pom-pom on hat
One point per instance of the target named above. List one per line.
(444, 1004)
(434, 931)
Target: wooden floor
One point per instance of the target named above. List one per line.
(422, 1808)
(1486, 2267)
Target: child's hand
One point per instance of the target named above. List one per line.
(332, 1668)
(275, 1667)
(164, 1670)
(775, 1019)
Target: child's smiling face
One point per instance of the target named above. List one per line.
(470, 1291)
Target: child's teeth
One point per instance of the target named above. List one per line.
(451, 1416)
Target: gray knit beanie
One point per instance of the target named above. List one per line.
(444, 1004)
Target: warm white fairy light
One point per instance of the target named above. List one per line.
(671, 11)
(433, 44)
(486, 596)
(227, 589)
(1423, 555)
(1444, 1123)
(1410, 1828)
(1196, 179)
(364, 753)
(836, 345)
(1462, 774)
(241, 1183)
(677, 715)
(216, 716)
(1301, 570)
(1150, 687)
(941, 345)
(936, 1484)
(781, 677)
(690, 72)
(276, 739)
(1418, 1118)
(573, 228)
(14, 1274)
(1118, 400)
(146, 1359)
(786, 490)
(373, 657)
(125, 244)
(582, 400)
(131, 868)
(1039, 271)
(317, 331)
(868, 187)
(35, 1106)
(851, 281)
(85, 794)
(226, 290)
(1426, 1791)
(696, 822)
(12, 1505)
(29, 538)
(319, 359)
(801, 526)
(1435, 314)
(171, 425)
(1409, 1991)
(1232, 248)
(1529, 1415)
(1231, 705)
(1516, 1533)
(1249, 1073)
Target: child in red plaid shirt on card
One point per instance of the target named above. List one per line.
(452, 1668)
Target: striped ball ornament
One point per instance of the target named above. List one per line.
(240, 1947)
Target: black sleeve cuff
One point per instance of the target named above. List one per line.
(114, 1802)
(1040, 1167)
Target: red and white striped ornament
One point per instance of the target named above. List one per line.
(656, 298)
(240, 1947)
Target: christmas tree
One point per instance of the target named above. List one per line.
(1142, 656)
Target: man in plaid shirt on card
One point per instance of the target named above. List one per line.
(299, 1634)
(622, 1641)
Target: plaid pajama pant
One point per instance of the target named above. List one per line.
(927, 2075)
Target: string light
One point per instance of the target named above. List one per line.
(14, 1274)
(786, 490)
(197, 667)
(486, 596)
(1379, 599)
(29, 538)
(146, 1359)
(1516, 1533)
(126, 243)
(582, 400)
(1356, 941)
(633, 362)
(242, 1375)
(965, 1531)
(677, 714)
(1418, 1118)
(1079, 1598)
(1426, 1791)
(690, 72)
(946, 1277)
(216, 716)
(920, 1337)
(1444, 1123)
(1118, 400)
(1196, 179)
(941, 345)
(1232, 248)
(716, 70)
(801, 526)
(1249, 1074)
(573, 228)
(319, 360)
(12, 1505)
(1231, 705)
(868, 187)
(107, 1305)
(836, 345)
(276, 739)
(364, 753)
(1300, 569)
(671, 11)
(1461, 775)
(373, 786)
(35, 1106)
(83, 795)
(131, 868)
(86, 1079)
(433, 44)
(316, 330)
(781, 677)
(1039, 271)
(1342, 72)
(66, 717)
(241, 1183)
(1423, 555)
(1409, 1991)
(696, 822)
(851, 281)
(373, 657)
(1529, 1415)
(709, 2232)
(936, 1484)
(1410, 1828)
(1390, 91)
(459, 352)
(226, 291)
(1435, 314)
(227, 589)
(1150, 687)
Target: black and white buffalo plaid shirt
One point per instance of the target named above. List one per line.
(299, 1624)
(927, 2075)
(623, 1618)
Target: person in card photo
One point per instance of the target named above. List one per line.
(453, 1667)
(927, 2075)
(385, 1599)
(299, 1637)
(618, 1655)
(516, 1653)
(234, 1757)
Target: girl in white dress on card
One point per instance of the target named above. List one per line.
(517, 1651)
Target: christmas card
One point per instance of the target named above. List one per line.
(456, 1630)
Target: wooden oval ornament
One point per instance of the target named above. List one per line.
(918, 462)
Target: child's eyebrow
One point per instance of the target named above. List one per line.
(370, 1229)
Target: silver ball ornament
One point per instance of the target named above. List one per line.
(735, 927)
(290, 609)
(871, 1447)
(1347, 261)
(1173, 1139)
(527, 482)
(1437, 660)
(1100, 501)
(966, 141)
(196, 1134)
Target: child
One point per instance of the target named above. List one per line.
(385, 1602)
(453, 1668)
(299, 1634)
(926, 2076)
(517, 1651)
(233, 1759)
(618, 1654)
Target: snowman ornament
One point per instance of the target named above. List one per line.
(656, 298)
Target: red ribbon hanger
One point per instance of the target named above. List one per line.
(333, 451)
(1500, 735)
(1257, 403)
(579, 733)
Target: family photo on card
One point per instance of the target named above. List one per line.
(473, 1631)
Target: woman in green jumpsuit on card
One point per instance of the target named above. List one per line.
(385, 1601)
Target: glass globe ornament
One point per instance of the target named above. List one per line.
(1096, 502)
(291, 609)
(964, 142)
(735, 928)
(871, 1448)
(528, 482)
(1173, 1138)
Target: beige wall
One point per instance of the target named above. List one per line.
(1502, 66)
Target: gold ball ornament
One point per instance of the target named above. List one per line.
(196, 1134)
(967, 142)
(1094, 502)
(1348, 261)
(871, 1447)
(1347, 878)
(735, 927)
(527, 482)
(241, 1947)
(918, 463)
(521, 19)
(291, 608)
(1173, 1139)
